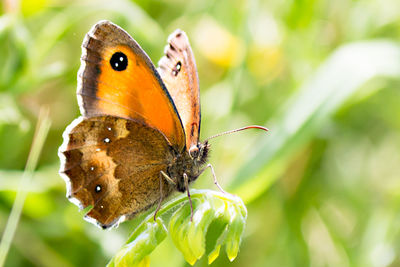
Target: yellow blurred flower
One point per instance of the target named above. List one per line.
(264, 61)
(217, 44)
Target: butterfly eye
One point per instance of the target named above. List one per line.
(177, 68)
(194, 152)
(119, 61)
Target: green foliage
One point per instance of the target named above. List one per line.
(334, 84)
(218, 219)
(321, 189)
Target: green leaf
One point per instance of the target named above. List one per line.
(142, 242)
(235, 231)
(216, 237)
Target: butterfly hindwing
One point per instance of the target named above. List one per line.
(179, 73)
(113, 164)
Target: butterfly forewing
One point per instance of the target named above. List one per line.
(117, 78)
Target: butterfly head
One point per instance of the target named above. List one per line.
(199, 152)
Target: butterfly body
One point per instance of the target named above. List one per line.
(137, 140)
(188, 164)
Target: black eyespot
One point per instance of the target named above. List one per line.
(177, 68)
(97, 189)
(119, 61)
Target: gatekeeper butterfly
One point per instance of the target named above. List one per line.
(137, 140)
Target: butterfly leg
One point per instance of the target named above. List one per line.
(169, 179)
(186, 179)
(214, 176)
(161, 196)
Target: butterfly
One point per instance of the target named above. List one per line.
(137, 140)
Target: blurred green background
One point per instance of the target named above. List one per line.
(322, 188)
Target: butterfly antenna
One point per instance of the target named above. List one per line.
(238, 130)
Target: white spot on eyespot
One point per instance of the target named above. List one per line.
(107, 140)
(121, 59)
(109, 128)
(97, 189)
(92, 168)
(116, 64)
(101, 207)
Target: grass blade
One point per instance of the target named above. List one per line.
(334, 83)
(41, 131)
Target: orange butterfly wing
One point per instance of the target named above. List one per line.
(117, 78)
(179, 73)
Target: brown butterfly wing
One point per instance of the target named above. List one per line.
(134, 92)
(113, 165)
(179, 73)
